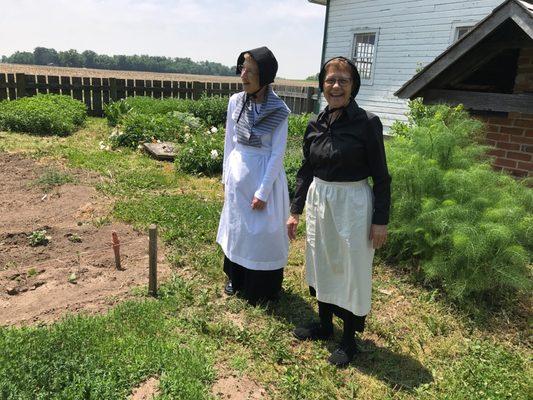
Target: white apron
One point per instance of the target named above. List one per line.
(338, 252)
(254, 239)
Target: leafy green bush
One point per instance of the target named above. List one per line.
(115, 111)
(293, 155)
(202, 153)
(292, 163)
(298, 124)
(464, 225)
(212, 110)
(136, 129)
(43, 114)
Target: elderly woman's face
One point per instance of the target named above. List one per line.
(337, 86)
(250, 75)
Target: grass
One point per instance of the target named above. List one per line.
(416, 346)
(101, 357)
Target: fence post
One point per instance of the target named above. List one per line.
(113, 89)
(152, 261)
(21, 85)
(309, 106)
(197, 89)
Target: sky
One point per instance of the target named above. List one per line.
(213, 30)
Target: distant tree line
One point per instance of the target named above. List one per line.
(90, 59)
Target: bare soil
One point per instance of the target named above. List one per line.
(105, 73)
(146, 391)
(76, 270)
(233, 386)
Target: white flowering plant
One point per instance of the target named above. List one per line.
(202, 152)
(136, 129)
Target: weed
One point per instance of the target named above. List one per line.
(52, 178)
(98, 222)
(31, 272)
(9, 265)
(74, 238)
(38, 238)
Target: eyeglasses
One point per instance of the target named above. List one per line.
(246, 69)
(341, 81)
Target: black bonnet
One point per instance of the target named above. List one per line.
(268, 65)
(355, 75)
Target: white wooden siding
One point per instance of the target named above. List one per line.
(411, 34)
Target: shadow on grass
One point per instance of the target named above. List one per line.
(293, 308)
(399, 371)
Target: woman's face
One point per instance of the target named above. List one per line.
(337, 86)
(250, 75)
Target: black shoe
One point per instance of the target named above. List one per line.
(228, 289)
(343, 355)
(313, 331)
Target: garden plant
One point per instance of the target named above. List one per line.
(455, 220)
(43, 114)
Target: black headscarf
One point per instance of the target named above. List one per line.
(268, 65)
(356, 78)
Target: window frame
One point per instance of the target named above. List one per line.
(369, 31)
(456, 25)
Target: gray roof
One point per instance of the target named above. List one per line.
(521, 12)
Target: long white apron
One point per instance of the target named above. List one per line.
(339, 253)
(254, 239)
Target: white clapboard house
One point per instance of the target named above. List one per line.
(390, 40)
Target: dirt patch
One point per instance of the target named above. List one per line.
(147, 391)
(73, 267)
(231, 386)
(236, 319)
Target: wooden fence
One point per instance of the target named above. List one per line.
(95, 92)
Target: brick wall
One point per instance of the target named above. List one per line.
(512, 137)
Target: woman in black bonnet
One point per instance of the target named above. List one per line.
(346, 219)
(252, 230)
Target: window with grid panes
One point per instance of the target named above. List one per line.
(363, 53)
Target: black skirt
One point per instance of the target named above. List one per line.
(253, 285)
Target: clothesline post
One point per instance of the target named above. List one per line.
(152, 261)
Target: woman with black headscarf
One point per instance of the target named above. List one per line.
(345, 219)
(252, 230)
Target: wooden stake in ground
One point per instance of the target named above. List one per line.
(116, 249)
(152, 261)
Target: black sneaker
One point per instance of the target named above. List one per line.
(343, 355)
(228, 289)
(313, 331)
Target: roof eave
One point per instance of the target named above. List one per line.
(413, 86)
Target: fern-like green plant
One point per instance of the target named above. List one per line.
(465, 226)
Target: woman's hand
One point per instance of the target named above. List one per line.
(378, 235)
(258, 204)
(292, 224)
